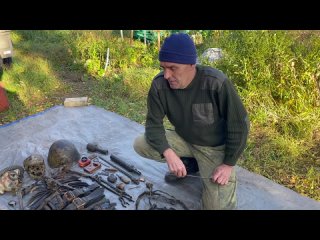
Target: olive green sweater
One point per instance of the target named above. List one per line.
(208, 112)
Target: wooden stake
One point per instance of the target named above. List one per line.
(121, 33)
(107, 62)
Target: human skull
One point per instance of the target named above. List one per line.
(35, 166)
(11, 178)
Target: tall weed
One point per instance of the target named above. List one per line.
(90, 48)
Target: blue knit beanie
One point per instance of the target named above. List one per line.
(178, 48)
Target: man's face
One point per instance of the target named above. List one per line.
(178, 75)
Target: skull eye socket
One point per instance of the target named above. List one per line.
(13, 176)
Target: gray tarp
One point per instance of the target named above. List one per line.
(91, 124)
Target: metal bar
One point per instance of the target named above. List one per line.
(171, 174)
(123, 164)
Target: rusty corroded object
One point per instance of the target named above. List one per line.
(62, 154)
(35, 166)
(11, 179)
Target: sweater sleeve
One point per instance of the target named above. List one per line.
(155, 132)
(237, 121)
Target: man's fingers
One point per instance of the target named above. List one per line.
(182, 172)
(179, 171)
(215, 177)
(221, 174)
(221, 181)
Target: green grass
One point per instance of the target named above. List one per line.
(276, 73)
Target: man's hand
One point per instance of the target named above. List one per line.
(175, 164)
(222, 174)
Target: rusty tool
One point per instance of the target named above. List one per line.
(94, 148)
(123, 164)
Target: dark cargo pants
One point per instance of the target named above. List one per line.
(214, 196)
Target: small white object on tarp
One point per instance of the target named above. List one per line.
(76, 102)
(91, 124)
